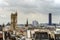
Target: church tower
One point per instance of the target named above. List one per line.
(26, 23)
(13, 21)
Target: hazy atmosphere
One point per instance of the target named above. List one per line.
(31, 9)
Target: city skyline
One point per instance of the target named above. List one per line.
(31, 9)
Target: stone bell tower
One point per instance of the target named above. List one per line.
(13, 21)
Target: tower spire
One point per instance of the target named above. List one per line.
(26, 23)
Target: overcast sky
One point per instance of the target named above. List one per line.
(31, 9)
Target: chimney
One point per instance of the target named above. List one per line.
(50, 19)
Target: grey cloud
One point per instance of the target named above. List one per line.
(27, 6)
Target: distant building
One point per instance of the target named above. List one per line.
(26, 23)
(13, 21)
(50, 18)
(8, 24)
(0, 27)
(35, 23)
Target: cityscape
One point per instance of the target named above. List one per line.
(34, 31)
(29, 19)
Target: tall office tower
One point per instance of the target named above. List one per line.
(13, 21)
(50, 18)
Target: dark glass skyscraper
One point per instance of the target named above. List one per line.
(50, 18)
